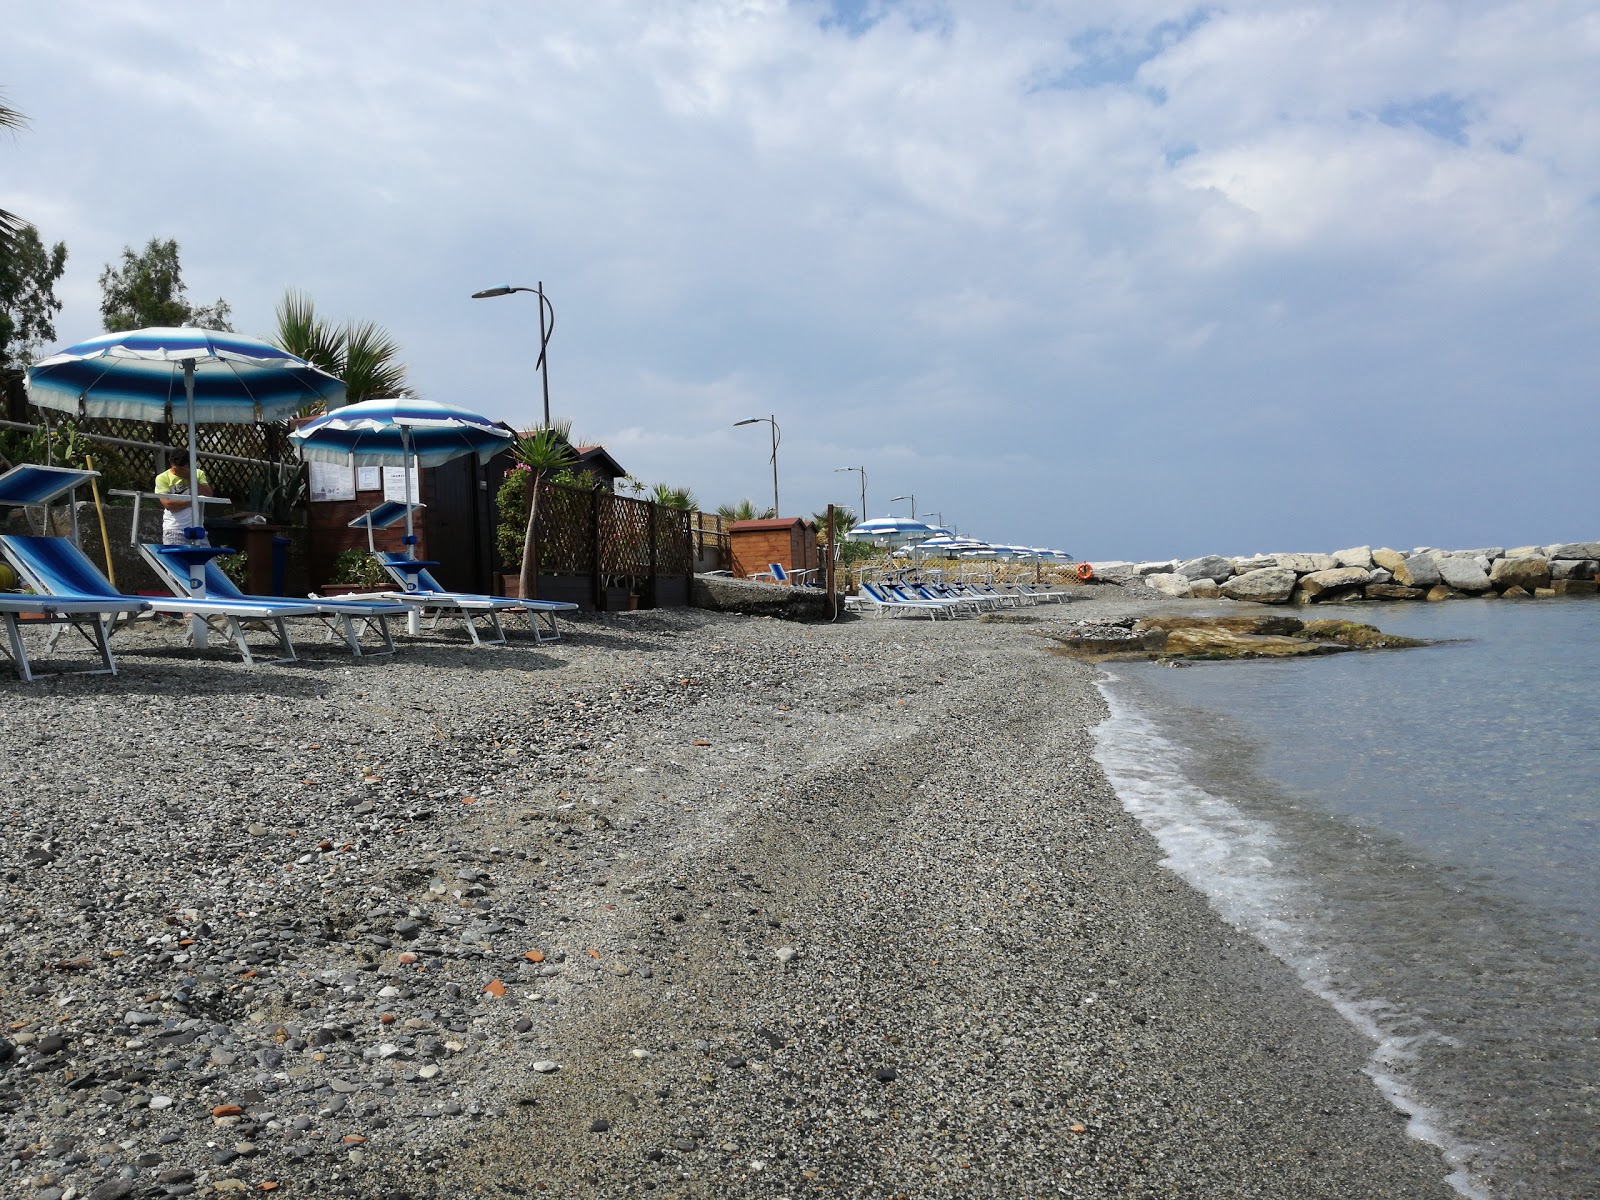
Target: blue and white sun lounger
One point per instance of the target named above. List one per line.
(340, 616)
(421, 589)
(54, 567)
(875, 599)
(56, 612)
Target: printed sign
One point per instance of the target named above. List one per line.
(394, 485)
(369, 479)
(332, 481)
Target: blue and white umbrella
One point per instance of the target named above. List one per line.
(890, 529)
(209, 376)
(397, 432)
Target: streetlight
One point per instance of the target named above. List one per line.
(545, 330)
(911, 498)
(935, 518)
(862, 471)
(773, 421)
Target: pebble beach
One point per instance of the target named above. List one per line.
(685, 904)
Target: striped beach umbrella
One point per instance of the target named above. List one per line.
(890, 529)
(199, 376)
(398, 432)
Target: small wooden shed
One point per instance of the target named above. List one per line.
(791, 541)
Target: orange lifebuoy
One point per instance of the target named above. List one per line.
(1085, 572)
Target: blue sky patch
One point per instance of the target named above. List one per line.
(1105, 57)
(855, 17)
(1443, 115)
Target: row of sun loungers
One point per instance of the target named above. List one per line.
(69, 591)
(937, 598)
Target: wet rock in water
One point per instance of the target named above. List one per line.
(1464, 575)
(1394, 591)
(1527, 573)
(1337, 584)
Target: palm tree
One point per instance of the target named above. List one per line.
(540, 451)
(745, 510)
(11, 225)
(362, 354)
(844, 520)
(668, 496)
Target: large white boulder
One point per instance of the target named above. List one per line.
(1171, 584)
(1418, 571)
(1307, 563)
(1356, 556)
(1331, 585)
(1463, 574)
(1211, 566)
(1155, 568)
(1573, 568)
(1266, 585)
(1525, 571)
(1576, 550)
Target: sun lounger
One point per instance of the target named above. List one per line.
(54, 567)
(777, 573)
(875, 599)
(56, 612)
(422, 591)
(340, 616)
(911, 594)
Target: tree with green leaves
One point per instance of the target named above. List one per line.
(146, 289)
(539, 452)
(361, 353)
(844, 519)
(28, 305)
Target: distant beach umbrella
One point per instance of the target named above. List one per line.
(889, 531)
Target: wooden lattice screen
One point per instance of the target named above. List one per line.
(635, 539)
(254, 465)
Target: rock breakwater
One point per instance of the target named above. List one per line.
(1365, 573)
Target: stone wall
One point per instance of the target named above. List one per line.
(1364, 573)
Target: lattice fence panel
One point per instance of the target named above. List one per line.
(565, 530)
(253, 465)
(674, 547)
(625, 537)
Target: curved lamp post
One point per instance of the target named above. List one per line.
(862, 471)
(546, 328)
(909, 497)
(773, 421)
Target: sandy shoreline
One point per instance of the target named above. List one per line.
(846, 910)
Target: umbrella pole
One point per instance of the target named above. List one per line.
(414, 617)
(197, 624)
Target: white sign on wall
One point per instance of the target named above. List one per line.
(369, 479)
(394, 485)
(331, 481)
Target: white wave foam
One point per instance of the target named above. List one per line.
(1235, 861)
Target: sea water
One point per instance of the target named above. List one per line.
(1417, 834)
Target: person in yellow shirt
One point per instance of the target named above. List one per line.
(179, 514)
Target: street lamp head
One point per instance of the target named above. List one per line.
(892, 499)
(494, 291)
(751, 421)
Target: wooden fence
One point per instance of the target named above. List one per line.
(599, 549)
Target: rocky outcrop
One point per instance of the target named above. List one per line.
(1267, 585)
(1463, 574)
(1204, 589)
(1573, 568)
(1337, 584)
(721, 593)
(1388, 559)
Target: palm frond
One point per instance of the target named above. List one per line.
(371, 366)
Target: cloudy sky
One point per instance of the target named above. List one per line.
(1128, 277)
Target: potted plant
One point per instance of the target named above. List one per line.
(356, 571)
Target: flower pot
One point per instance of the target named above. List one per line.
(511, 585)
